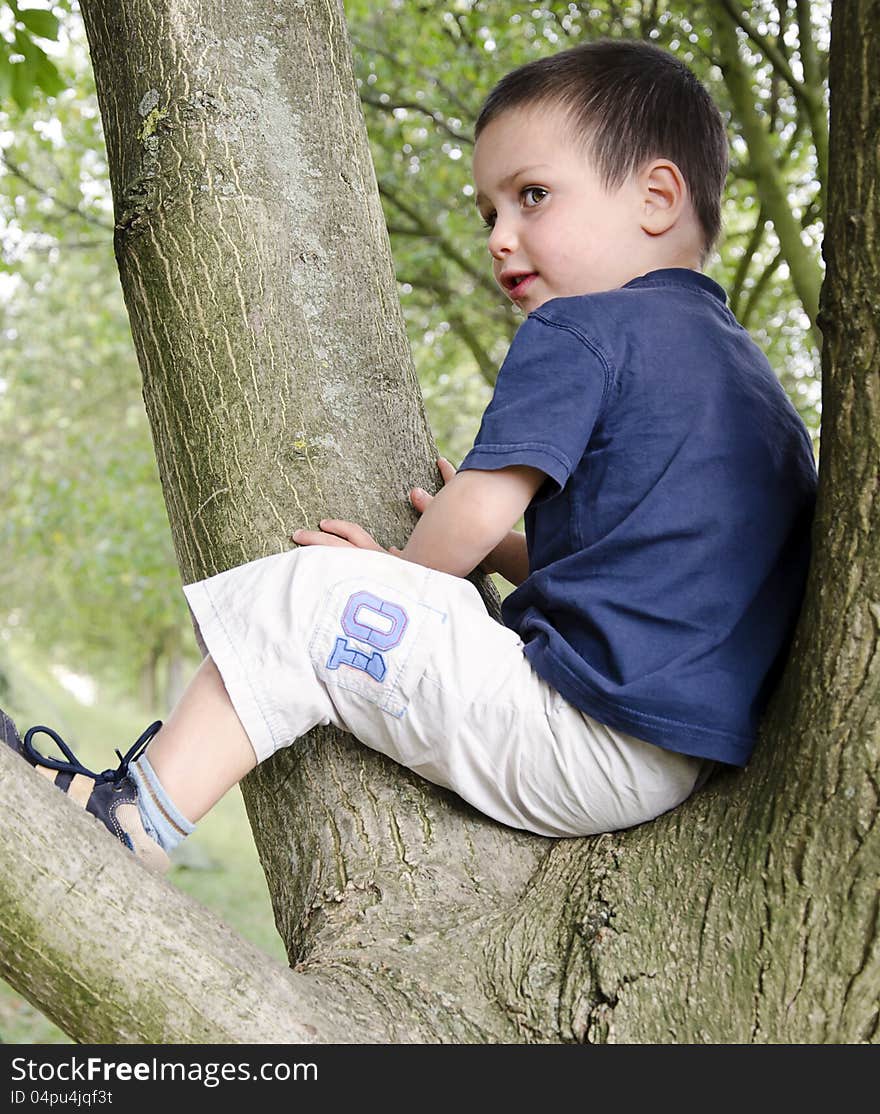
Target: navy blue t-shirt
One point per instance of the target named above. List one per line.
(668, 546)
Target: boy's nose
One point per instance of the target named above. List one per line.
(502, 240)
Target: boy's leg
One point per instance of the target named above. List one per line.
(408, 660)
(152, 800)
(202, 749)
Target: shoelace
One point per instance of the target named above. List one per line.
(74, 766)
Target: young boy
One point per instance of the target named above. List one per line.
(667, 485)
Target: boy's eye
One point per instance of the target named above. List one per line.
(488, 220)
(533, 195)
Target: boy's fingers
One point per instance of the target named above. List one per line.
(336, 531)
(353, 533)
(419, 498)
(317, 537)
(447, 470)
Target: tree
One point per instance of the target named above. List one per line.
(407, 917)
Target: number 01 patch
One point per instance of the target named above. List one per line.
(374, 622)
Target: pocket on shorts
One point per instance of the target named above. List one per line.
(374, 639)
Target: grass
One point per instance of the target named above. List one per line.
(217, 865)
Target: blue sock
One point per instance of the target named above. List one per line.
(160, 816)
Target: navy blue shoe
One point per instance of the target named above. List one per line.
(110, 796)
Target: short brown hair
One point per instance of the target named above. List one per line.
(629, 102)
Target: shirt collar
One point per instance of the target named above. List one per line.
(679, 276)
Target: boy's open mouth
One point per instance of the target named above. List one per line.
(517, 283)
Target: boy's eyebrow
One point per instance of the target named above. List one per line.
(512, 177)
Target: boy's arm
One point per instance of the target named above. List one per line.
(470, 517)
(510, 558)
(466, 520)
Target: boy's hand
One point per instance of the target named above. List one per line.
(509, 558)
(420, 498)
(336, 531)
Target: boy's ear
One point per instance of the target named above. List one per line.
(663, 195)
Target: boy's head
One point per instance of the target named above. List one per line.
(595, 165)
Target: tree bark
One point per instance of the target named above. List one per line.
(276, 378)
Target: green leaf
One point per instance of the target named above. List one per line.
(5, 74)
(22, 84)
(24, 44)
(39, 22)
(47, 76)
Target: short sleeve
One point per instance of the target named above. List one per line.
(547, 399)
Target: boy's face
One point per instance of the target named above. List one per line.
(555, 230)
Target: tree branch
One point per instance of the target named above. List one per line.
(757, 234)
(766, 45)
(466, 110)
(815, 67)
(758, 289)
(103, 987)
(74, 210)
(488, 367)
(742, 268)
(805, 273)
(195, 981)
(414, 106)
(808, 93)
(429, 230)
(67, 245)
(648, 18)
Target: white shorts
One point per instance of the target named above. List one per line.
(408, 660)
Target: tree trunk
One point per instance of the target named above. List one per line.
(176, 675)
(149, 687)
(279, 387)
